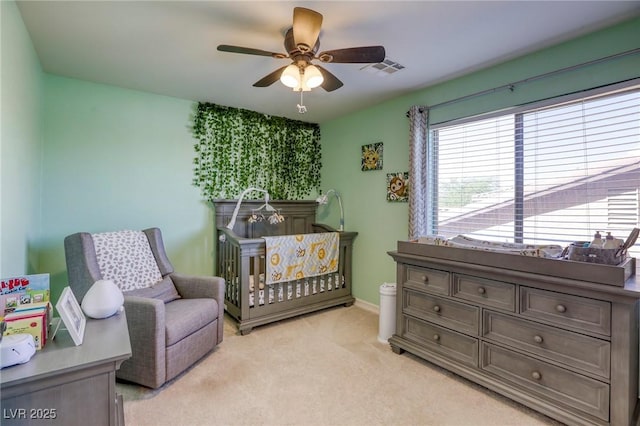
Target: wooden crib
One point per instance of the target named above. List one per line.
(241, 262)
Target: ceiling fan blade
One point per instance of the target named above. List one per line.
(354, 55)
(249, 51)
(306, 28)
(268, 80)
(330, 82)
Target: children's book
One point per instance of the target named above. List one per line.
(22, 292)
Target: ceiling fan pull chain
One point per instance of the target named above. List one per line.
(301, 108)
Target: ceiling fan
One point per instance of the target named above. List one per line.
(302, 43)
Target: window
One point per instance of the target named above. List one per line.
(546, 175)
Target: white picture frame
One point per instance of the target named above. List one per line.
(72, 315)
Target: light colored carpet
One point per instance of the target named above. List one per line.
(326, 368)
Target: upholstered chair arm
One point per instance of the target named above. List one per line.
(190, 286)
(147, 365)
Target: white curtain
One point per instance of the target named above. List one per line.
(419, 215)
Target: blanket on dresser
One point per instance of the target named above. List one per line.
(292, 257)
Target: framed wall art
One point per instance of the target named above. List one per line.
(372, 157)
(398, 187)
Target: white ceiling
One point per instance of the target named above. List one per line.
(169, 47)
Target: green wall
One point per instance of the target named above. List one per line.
(120, 159)
(381, 224)
(21, 141)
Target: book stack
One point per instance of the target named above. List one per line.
(25, 306)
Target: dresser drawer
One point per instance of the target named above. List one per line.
(496, 294)
(573, 312)
(443, 341)
(431, 280)
(459, 316)
(550, 382)
(576, 350)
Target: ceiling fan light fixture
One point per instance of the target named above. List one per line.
(301, 42)
(312, 77)
(290, 77)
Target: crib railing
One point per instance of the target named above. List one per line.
(241, 262)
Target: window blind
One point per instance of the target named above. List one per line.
(549, 175)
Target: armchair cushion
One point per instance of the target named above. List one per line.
(125, 257)
(186, 316)
(164, 290)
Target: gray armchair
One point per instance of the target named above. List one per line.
(169, 331)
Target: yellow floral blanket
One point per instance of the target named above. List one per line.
(292, 257)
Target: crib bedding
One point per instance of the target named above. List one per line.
(302, 255)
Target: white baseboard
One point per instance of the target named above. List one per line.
(367, 306)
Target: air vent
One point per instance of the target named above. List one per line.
(384, 68)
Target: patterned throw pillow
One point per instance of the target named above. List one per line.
(125, 257)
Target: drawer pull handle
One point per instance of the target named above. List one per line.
(436, 308)
(425, 279)
(561, 308)
(537, 339)
(536, 375)
(481, 290)
(436, 337)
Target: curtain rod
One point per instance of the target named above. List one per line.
(511, 86)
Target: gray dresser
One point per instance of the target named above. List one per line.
(566, 347)
(68, 385)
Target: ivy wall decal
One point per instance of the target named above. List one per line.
(237, 148)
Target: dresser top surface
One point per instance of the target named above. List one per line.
(105, 341)
(629, 288)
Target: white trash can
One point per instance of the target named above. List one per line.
(387, 324)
